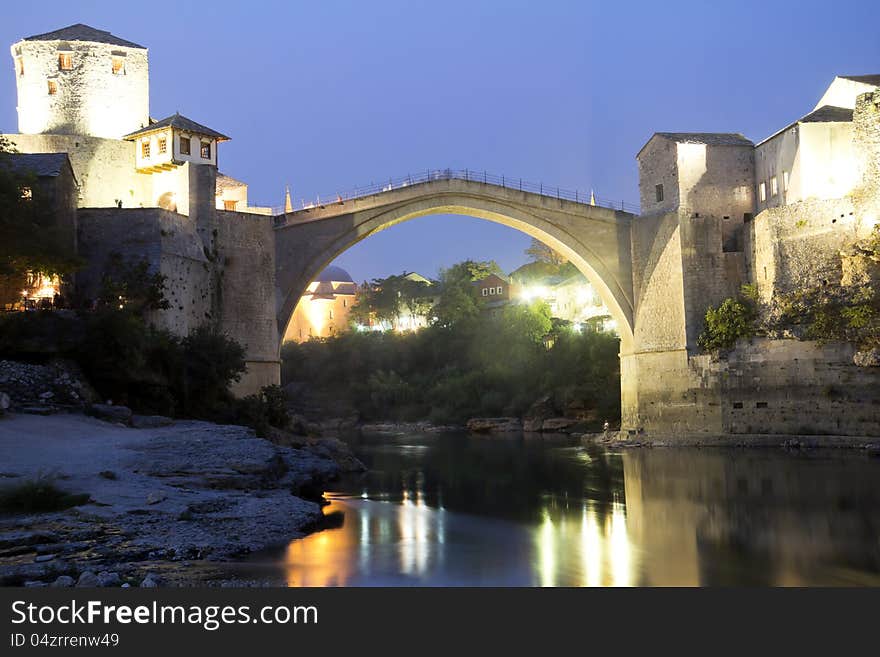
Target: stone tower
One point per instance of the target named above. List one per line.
(81, 81)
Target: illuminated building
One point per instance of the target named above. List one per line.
(86, 92)
(50, 183)
(324, 308)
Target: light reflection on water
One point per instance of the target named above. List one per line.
(477, 512)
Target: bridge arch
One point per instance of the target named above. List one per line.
(595, 239)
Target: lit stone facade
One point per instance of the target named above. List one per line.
(81, 81)
(324, 308)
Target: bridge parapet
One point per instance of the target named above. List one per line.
(377, 193)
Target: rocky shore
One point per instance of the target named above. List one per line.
(166, 505)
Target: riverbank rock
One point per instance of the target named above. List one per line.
(59, 383)
(494, 425)
(150, 421)
(63, 582)
(5, 403)
(867, 358)
(88, 579)
(537, 413)
(110, 412)
(340, 452)
(558, 424)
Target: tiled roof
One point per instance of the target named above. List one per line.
(708, 138)
(825, 114)
(179, 122)
(228, 182)
(828, 114)
(865, 79)
(39, 164)
(80, 32)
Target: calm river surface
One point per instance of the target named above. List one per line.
(451, 509)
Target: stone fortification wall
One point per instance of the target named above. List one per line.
(169, 243)
(791, 387)
(866, 134)
(245, 255)
(795, 246)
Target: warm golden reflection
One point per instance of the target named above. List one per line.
(603, 554)
(644, 518)
(322, 559)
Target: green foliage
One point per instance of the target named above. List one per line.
(476, 366)
(130, 362)
(840, 314)
(458, 296)
(130, 285)
(211, 363)
(261, 411)
(386, 299)
(732, 320)
(38, 496)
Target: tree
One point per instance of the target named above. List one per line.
(130, 285)
(458, 297)
(387, 299)
(540, 252)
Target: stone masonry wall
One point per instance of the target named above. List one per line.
(245, 255)
(795, 246)
(866, 133)
(792, 387)
(169, 243)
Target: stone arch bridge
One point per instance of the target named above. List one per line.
(595, 238)
(656, 274)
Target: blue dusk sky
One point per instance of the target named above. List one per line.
(331, 95)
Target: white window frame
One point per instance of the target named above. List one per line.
(762, 192)
(774, 186)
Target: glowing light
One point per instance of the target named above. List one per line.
(591, 547)
(619, 547)
(534, 292)
(41, 287)
(547, 549)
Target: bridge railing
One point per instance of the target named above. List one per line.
(507, 182)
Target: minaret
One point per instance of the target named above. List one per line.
(288, 206)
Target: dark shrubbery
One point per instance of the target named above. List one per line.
(37, 496)
(261, 411)
(132, 363)
(478, 367)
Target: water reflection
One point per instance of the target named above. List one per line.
(470, 511)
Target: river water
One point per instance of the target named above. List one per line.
(456, 510)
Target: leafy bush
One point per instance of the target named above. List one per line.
(211, 363)
(838, 314)
(478, 366)
(261, 411)
(732, 320)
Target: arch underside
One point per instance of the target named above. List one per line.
(582, 240)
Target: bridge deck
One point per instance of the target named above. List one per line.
(371, 194)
